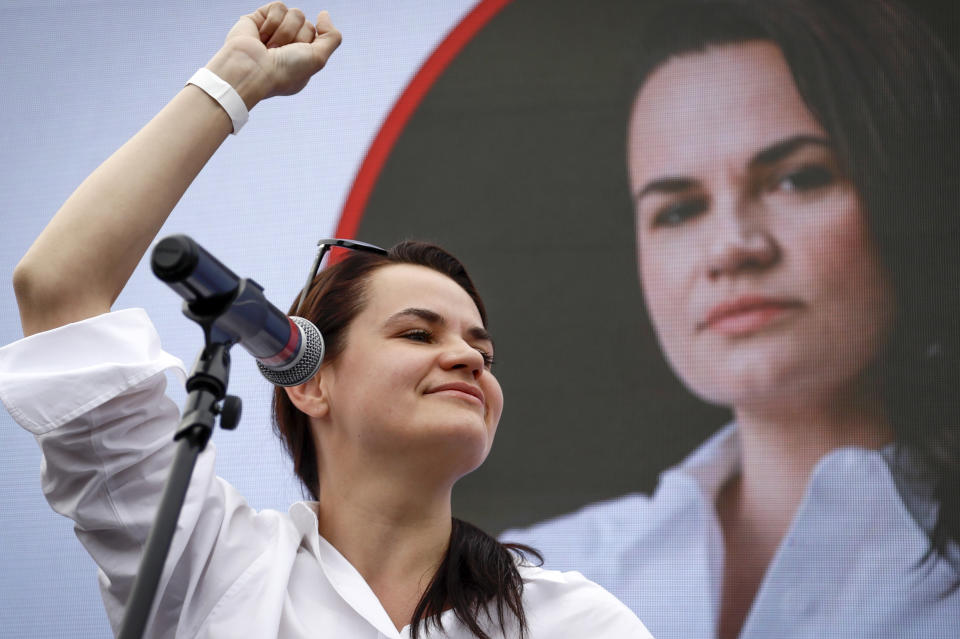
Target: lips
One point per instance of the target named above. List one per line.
(462, 388)
(746, 314)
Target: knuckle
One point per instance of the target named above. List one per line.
(276, 11)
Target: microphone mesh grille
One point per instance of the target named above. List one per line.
(309, 362)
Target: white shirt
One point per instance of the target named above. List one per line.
(846, 567)
(93, 395)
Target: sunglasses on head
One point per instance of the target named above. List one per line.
(323, 247)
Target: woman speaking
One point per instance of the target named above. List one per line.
(404, 405)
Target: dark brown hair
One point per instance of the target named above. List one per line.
(887, 92)
(478, 577)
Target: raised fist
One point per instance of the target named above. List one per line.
(274, 51)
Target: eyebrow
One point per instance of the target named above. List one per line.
(666, 185)
(785, 148)
(432, 317)
(765, 157)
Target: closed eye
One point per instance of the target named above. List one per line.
(418, 335)
(487, 358)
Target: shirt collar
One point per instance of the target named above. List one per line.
(719, 458)
(711, 464)
(345, 579)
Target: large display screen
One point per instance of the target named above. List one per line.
(665, 245)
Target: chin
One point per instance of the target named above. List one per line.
(759, 377)
(460, 446)
(762, 391)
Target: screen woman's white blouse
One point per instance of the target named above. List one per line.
(93, 395)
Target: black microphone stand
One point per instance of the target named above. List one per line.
(206, 400)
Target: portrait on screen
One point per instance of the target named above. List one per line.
(695, 218)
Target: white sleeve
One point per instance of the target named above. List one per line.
(93, 395)
(589, 540)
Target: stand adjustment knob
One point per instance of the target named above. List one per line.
(230, 411)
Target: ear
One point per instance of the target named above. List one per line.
(310, 397)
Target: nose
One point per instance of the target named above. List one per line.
(460, 355)
(740, 244)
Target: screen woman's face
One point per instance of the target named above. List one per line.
(753, 250)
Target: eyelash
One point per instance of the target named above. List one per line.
(677, 213)
(809, 177)
(419, 335)
(425, 336)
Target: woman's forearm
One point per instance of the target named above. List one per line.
(77, 267)
(82, 260)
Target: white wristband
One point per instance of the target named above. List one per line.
(224, 94)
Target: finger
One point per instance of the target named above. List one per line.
(246, 26)
(298, 61)
(324, 24)
(259, 16)
(307, 32)
(288, 29)
(326, 42)
(273, 16)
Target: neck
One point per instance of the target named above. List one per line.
(394, 532)
(782, 442)
(780, 445)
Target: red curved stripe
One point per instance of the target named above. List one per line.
(405, 107)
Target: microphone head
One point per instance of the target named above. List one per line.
(306, 364)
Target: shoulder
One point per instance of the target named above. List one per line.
(567, 605)
(605, 532)
(596, 528)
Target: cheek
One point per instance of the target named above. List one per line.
(666, 280)
(494, 396)
(665, 274)
(658, 291)
(849, 296)
(839, 264)
(365, 377)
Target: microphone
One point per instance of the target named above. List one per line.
(288, 350)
